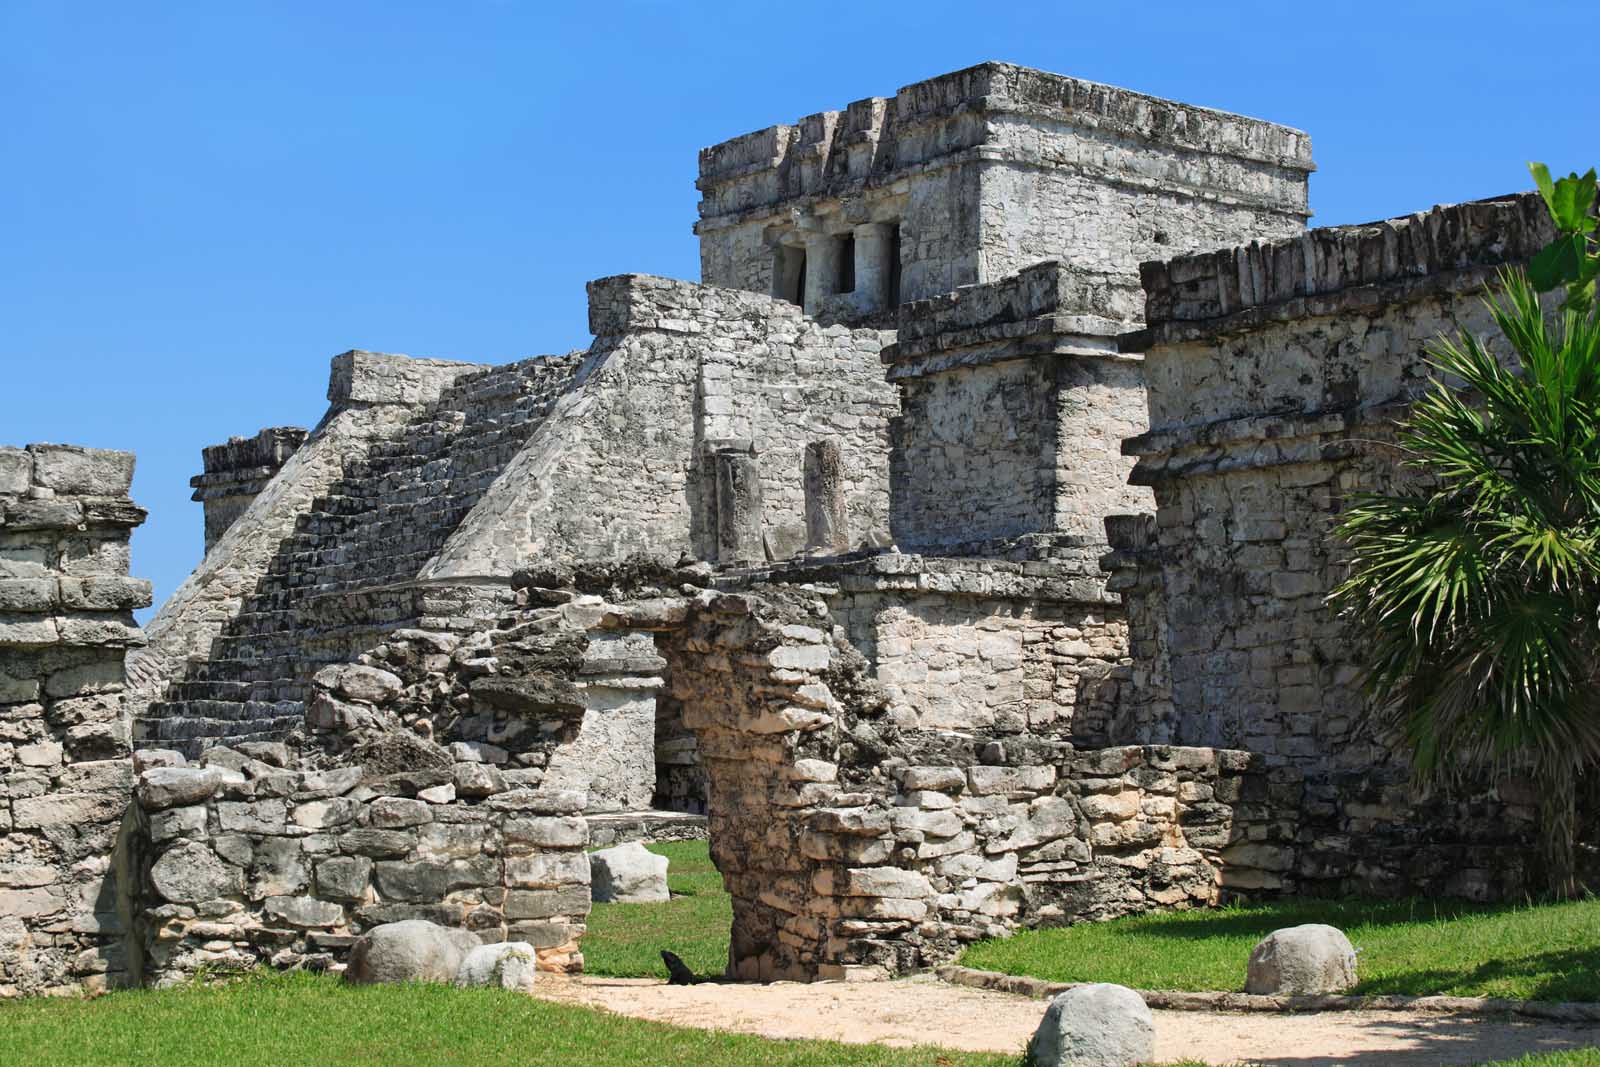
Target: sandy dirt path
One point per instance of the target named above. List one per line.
(925, 1011)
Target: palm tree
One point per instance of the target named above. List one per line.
(1476, 589)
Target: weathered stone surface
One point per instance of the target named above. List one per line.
(170, 787)
(1307, 959)
(1099, 1025)
(505, 965)
(413, 950)
(190, 873)
(628, 874)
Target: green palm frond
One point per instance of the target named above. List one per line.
(1476, 594)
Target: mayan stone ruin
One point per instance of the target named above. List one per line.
(953, 556)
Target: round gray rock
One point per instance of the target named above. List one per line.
(628, 874)
(1098, 1025)
(411, 951)
(506, 965)
(1302, 960)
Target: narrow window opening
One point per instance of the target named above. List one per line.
(847, 264)
(789, 274)
(894, 265)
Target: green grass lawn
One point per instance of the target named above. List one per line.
(1530, 952)
(278, 1020)
(625, 940)
(285, 1020)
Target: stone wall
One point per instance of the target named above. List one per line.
(242, 864)
(66, 622)
(1013, 408)
(989, 170)
(1002, 648)
(1274, 374)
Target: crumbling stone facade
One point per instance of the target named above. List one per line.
(950, 571)
(66, 619)
(1274, 373)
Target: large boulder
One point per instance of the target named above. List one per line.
(411, 951)
(1100, 1025)
(1310, 959)
(506, 965)
(628, 874)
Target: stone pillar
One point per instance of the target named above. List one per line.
(66, 622)
(738, 508)
(827, 529)
(237, 471)
(822, 269)
(874, 245)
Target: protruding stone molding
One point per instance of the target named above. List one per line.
(1073, 577)
(1044, 311)
(930, 121)
(1338, 269)
(1259, 442)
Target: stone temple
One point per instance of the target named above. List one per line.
(953, 554)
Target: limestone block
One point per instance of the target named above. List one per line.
(16, 470)
(344, 878)
(547, 870)
(1308, 959)
(70, 469)
(28, 594)
(1098, 1025)
(190, 873)
(547, 903)
(439, 794)
(477, 780)
(555, 832)
(506, 965)
(377, 843)
(304, 912)
(413, 950)
(177, 822)
(1012, 781)
(939, 779)
(398, 812)
(628, 874)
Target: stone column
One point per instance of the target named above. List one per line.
(822, 269)
(66, 624)
(738, 508)
(873, 248)
(827, 529)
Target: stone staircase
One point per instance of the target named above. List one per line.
(341, 579)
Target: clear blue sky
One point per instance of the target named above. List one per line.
(203, 202)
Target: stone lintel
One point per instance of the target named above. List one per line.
(1043, 309)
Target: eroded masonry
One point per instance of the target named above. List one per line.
(954, 557)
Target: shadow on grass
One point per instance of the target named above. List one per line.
(1557, 975)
